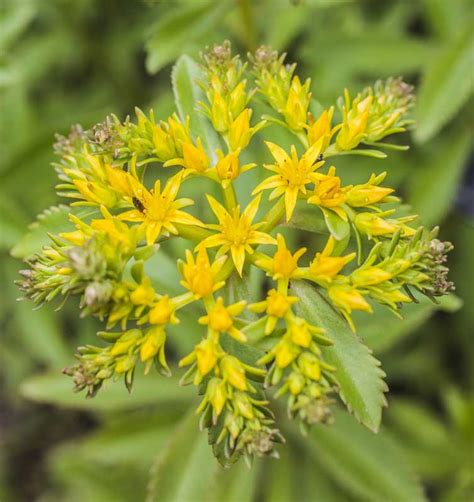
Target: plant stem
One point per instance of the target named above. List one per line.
(245, 7)
(274, 216)
(230, 197)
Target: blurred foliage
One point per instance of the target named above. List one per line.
(63, 62)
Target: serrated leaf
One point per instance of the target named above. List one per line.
(185, 469)
(56, 389)
(446, 86)
(53, 220)
(361, 384)
(180, 30)
(185, 77)
(372, 467)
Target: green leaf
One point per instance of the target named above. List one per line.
(433, 187)
(236, 289)
(180, 30)
(339, 228)
(134, 438)
(308, 219)
(424, 439)
(185, 77)
(446, 86)
(56, 389)
(41, 334)
(12, 222)
(237, 484)
(371, 467)
(381, 330)
(53, 220)
(185, 469)
(361, 384)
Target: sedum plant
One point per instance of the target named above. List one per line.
(126, 182)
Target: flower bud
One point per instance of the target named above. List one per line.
(233, 372)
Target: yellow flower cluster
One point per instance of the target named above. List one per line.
(135, 177)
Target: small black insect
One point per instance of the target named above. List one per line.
(320, 157)
(138, 204)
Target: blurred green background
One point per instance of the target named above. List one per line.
(64, 62)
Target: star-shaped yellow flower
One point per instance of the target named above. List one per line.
(284, 264)
(328, 193)
(292, 173)
(236, 233)
(158, 210)
(220, 318)
(325, 267)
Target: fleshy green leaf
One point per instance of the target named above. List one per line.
(180, 30)
(339, 228)
(433, 187)
(55, 388)
(185, 469)
(382, 329)
(446, 86)
(361, 384)
(309, 219)
(371, 467)
(187, 93)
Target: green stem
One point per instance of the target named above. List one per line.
(245, 7)
(230, 197)
(192, 233)
(274, 216)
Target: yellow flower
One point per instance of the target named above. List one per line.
(163, 312)
(228, 167)
(126, 342)
(221, 318)
(233, 372)
(152, 343)
(310, 365)
(276, 306)
(300, 333)
(327, 193)
(368, 193)
(375, 225)
(240, 131)
(370, 276)
(285, 352)
(158, 210)
(296, 109)
(348, 298)
(321, 128)
(199, 276)
(194, 159)
(216, 393)
(219, 113)
(284, 264)
(207, 353)
(354, 123)
(144, 294)
(236, 233)
(325, 267)
(292, 174)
